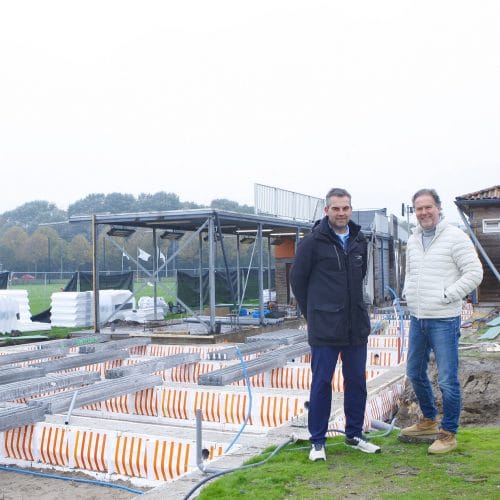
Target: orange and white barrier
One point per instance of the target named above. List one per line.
(175, 403)
(155, 458)
(130, 455)
(53, 444)
(18, 443)
(88, 449)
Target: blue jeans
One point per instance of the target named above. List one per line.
(323, 362)
(441, 335)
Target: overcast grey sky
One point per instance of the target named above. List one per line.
(205, 98)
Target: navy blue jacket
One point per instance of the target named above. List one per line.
(327, 282)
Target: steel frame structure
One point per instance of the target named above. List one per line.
(216, 223)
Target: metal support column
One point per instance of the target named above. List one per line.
(200, 245)
(95, 272)
(261, 274)
(155, 273)
(211, 272)
(238, 277)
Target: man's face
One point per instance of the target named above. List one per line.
(339, 212)
(427, 211)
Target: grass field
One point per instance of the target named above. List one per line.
(400, 471)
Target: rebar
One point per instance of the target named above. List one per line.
(19, 357)
(153, 365)
(81, 360)
(51, 382)
(100, 391)
(114, 344)
(265, 362)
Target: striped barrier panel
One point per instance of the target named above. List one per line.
(182, 403)
(257, 380)
(118, 404)
(18, 443)
(129, 457)
(337, 422)
(105, 451)
(189, 373)
(276, 410)
(88, 449)
(53, 444)
(300, 376)
(145, 402)
(217, 406)
(291, 377)
(385, 358)
(138, 350)
(209, 404)
(168, 459)
(175, 403)
(169, 350)
(234, 408)
(381, 406)
(386, 341)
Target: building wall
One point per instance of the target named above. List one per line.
(282, 280)
(284, 255)
(489, 290)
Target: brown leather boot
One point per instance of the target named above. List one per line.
(424, 427)
(445, 442)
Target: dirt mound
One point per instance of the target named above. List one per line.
(479, 375)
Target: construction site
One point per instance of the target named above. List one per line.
(161, 403)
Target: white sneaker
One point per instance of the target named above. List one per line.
(317, 452)
(362, 445)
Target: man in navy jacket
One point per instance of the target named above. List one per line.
(327, 281)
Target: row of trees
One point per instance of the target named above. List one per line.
(36, 235)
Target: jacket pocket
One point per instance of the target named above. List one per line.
(328, 323)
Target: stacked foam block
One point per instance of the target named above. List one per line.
(75, 309)
(21, 318)
(71, 309)
(8, 314)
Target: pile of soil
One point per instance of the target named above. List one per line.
(479, 375)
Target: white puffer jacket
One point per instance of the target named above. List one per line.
(438, 278)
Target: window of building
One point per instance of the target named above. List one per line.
(491, 225)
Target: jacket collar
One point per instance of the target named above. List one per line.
(321, 227)
(439, 228)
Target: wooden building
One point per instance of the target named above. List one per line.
(480, 212)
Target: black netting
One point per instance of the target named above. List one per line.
(4, 280)
(188, 286)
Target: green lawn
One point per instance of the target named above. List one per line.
(400, 471)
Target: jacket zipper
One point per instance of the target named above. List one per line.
(348, 270)
(338, 257)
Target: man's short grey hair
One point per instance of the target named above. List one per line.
(427, 192)
(338, 192)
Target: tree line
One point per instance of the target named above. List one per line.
(36, 236)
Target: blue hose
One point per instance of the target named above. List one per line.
(74, 479)
(249, 412)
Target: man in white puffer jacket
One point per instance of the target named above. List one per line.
(442, 267)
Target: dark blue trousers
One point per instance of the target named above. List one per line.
(323, 362)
